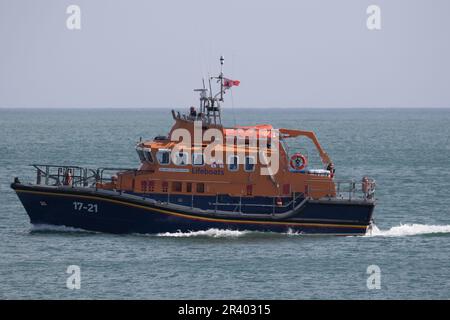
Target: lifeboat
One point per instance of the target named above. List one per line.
(204, 175)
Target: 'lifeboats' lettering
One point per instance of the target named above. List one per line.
(208, 171)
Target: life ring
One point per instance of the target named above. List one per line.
(298, 161)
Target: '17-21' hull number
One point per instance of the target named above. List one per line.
(87, 207)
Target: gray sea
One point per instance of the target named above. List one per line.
(407, 151)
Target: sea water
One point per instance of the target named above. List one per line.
(407, 151)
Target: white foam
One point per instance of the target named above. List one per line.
(55, 228)
(215, 233)
(291, 232)
(409, 230)
(397, 231)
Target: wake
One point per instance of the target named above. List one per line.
(227, 233)
(49, 228)
(408, 230)
(215, 233)
(398, 231)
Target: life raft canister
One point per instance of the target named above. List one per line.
(298, 161)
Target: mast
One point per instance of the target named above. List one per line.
(209, 103)
(221, 77)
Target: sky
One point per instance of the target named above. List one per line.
(286, 53)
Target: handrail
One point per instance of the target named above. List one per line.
(349, 189)
(295, 197)
(54, 166)
(238, 205)
(85, 177)
(79, 176)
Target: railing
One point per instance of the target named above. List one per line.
(279, 205)
(57, 175)
(290, 204)
(74, 176)
(344, 189)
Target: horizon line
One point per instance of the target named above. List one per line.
(176, 108)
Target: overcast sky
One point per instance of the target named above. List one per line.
(315, 53)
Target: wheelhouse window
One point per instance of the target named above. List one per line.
(249, 164)
(140, 153)
(200, 187)
(165, 186)
(163, 156)
(148, 154)
(233, 163)
(197, 159)
(189, 187)
(181, 159)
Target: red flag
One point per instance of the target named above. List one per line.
(230, 83)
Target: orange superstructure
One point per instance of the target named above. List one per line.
(177, 164)
(159, 174)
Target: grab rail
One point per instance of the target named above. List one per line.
(56, 175)
(79, 176)
(292, 202)
(344, 189)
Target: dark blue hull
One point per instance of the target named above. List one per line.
(115, 213)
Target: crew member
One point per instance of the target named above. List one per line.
(68, 178)
(114, 182)
(193, 112)
(365, 185)
(330, 168)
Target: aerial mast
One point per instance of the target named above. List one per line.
(222, 59)
(210, 104)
